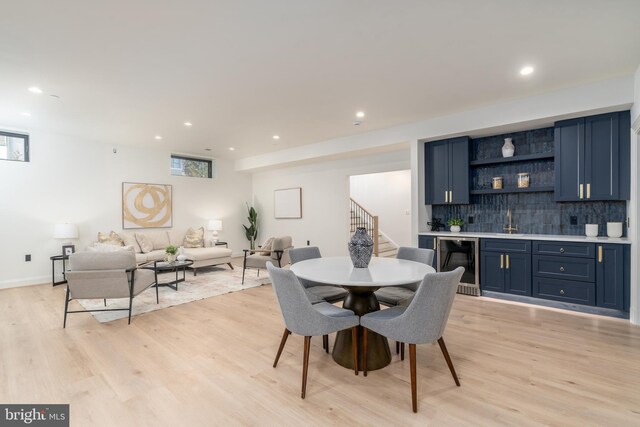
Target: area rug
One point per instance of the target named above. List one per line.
(209, 282)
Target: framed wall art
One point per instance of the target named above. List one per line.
(146, 205)
(287, 203)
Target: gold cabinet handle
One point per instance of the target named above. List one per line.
(600, 253)
(450, 196)
(589, 191)
(435, 243)
(501, 261)
(507, 261)
(446, 197)
(581, 191)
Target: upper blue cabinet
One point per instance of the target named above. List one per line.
(446, 165)
(592, 158)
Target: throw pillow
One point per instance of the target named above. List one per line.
(105, 247)
(194, 238)
(266, 246)
(146, 245)
(110, 239)
(130, 240)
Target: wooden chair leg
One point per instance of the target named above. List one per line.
(354, 339)
(230, 265)
(305, 365)
(282, 343)
(325, 343)
(397, 347)
(401, 351)
(414, 388)
(364, 350)
(445, 353)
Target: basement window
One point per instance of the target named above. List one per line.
(190, 166)
(14, 147)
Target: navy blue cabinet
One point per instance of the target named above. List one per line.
(446, 166)
(430, 242)
(592, 158)
(506, 266)
(610, 276)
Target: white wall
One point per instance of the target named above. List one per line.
(70, 180)
(387, 195)
(634, 203)
(325, 199)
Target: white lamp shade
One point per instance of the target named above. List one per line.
(215, 225)
(65, 231)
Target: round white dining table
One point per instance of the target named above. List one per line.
(361, 283)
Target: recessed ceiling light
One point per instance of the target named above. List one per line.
(34, 89)
(276, 136)
(231, 149)
(157, 137)
(360, 114)
(525, 71)
(26, 114)
(188, 124)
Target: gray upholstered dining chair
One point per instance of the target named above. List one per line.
(317, 292)
(277, 253)
(308, 320)
(102, 275)
(392, 296)
(423, 321)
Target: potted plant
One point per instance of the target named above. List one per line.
(252, 230)
(455, 224)
(170, 252)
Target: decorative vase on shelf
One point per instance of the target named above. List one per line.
(508, 149)
(455, 228)
(360, 248)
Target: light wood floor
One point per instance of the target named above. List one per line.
(209, 363)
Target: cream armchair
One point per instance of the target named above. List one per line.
(279, 253)
(102, 275)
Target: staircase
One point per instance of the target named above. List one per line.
(360, 217)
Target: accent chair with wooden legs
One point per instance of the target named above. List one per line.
(105, 275)
(302, 318)
(278, 254)
(422, 322)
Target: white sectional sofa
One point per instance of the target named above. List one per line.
(205, 256)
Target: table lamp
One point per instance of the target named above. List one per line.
(215, 225)
(66, 231)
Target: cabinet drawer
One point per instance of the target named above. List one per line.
(564, 290)
(506, 245)
(581, 269)
(570, 249)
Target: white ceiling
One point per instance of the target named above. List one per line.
(242, 71)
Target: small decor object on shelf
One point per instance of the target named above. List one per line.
(455, 224)
(523, 180)
(591, 230)
(170, 252)
(181, 256)
(496, 183)
(614, 229)
(68, 250)
(508, 149)
(360, 248)
(436, 224)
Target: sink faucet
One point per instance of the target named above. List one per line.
(510, 229)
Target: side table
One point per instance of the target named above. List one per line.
(53, 259)
(225, 244)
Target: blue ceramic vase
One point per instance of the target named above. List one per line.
(361, 248)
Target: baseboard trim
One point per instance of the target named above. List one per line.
(557, 304)
(29, 281)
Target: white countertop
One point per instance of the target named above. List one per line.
(554, 237)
